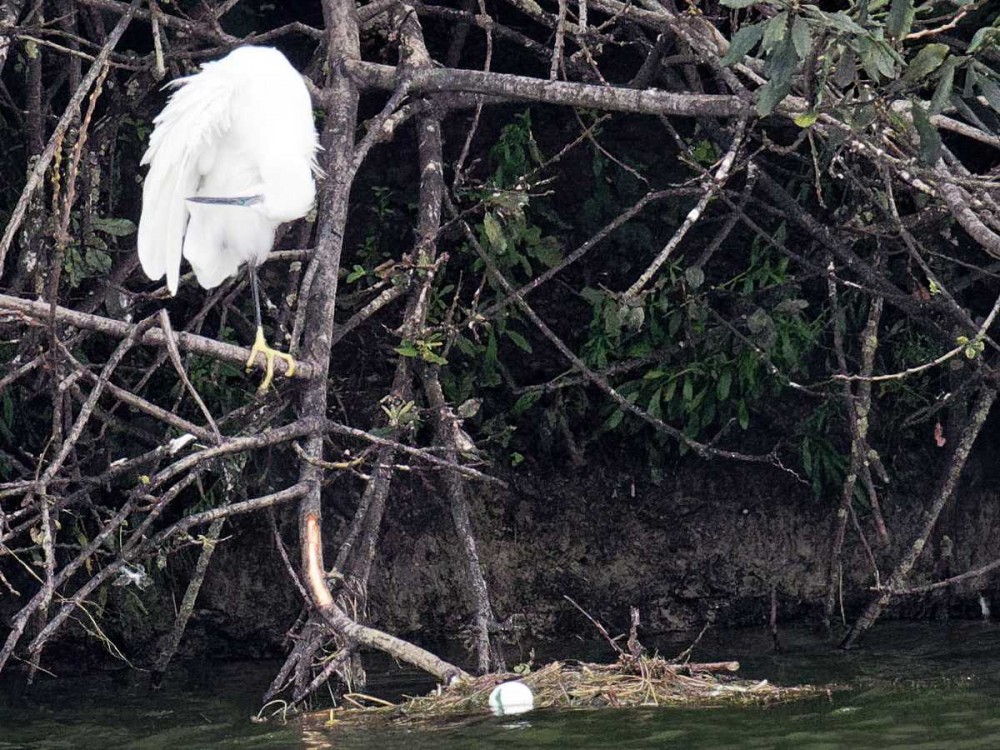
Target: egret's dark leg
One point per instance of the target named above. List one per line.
(260, 343)
(254, 286)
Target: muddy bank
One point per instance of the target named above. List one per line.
(708, 543)
(704, 544)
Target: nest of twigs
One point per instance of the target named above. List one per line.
(630, 682)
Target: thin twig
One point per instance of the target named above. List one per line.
(59, 132)
(175, 359)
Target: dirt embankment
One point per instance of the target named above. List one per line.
(707, 543)
(711, 542)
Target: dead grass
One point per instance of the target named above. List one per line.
(629, 682)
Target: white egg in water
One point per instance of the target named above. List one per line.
(510, 698)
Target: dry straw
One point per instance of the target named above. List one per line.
(630, 682)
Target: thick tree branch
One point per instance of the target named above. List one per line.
(649, 101)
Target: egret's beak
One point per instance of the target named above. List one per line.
(249, 200)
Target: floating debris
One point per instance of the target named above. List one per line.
(627, 683)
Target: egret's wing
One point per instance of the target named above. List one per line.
(180, 151)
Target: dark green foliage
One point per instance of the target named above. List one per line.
(682, 355)
(862, 46)
(706, 371)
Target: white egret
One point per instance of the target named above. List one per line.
(509, 698)
(232, 155)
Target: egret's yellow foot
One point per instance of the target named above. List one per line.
(260, 347)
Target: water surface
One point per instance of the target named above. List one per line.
(910, 686)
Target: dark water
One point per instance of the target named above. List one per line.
(911, 686)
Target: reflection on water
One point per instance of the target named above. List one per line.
(912, 686)
(207, 708)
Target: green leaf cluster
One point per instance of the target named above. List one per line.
(867, 50)
(705, 373)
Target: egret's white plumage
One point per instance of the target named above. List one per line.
(242, 127)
